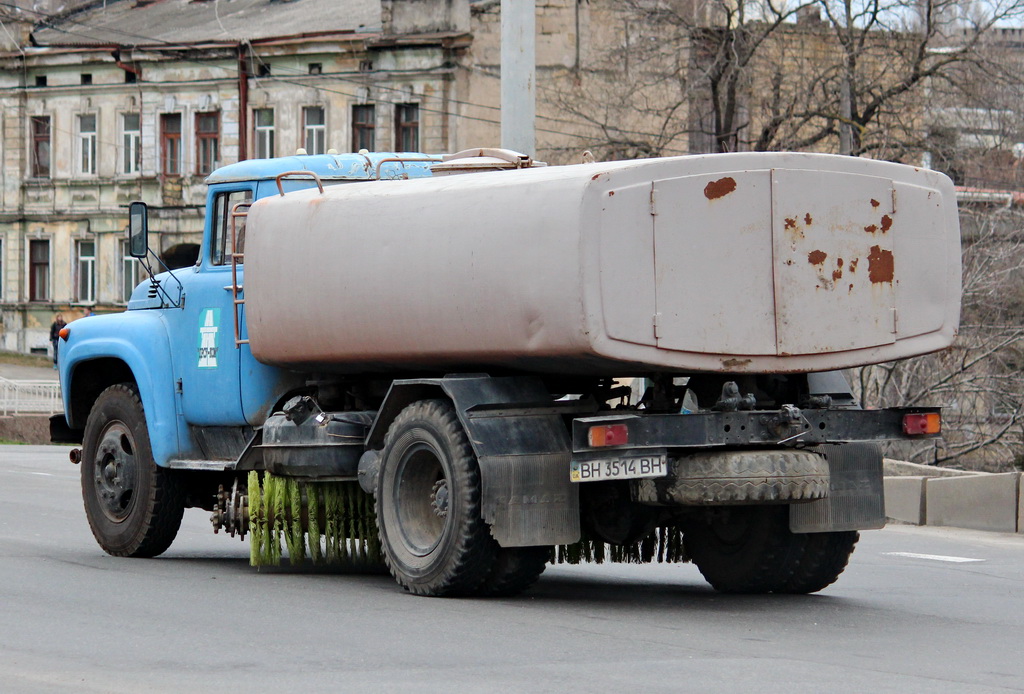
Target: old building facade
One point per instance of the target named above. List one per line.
(122, 100)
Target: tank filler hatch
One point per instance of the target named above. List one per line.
(483, 159)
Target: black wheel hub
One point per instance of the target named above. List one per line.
(116, 472)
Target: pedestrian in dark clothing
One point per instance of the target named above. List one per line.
(55, 328)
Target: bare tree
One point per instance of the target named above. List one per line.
(980, 381)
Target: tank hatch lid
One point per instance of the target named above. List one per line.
(483, 159)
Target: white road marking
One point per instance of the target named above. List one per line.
(932, 557)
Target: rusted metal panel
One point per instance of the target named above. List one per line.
(835, 283)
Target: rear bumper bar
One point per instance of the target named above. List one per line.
(788, 426)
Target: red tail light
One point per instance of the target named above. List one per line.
(608, 435)
(922, 423)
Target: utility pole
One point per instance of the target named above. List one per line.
(518, 75)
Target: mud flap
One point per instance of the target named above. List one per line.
(528, 499)
(856, 499)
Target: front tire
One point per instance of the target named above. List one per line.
(428, 504)
(134, 508)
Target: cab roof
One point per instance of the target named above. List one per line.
(348, 166)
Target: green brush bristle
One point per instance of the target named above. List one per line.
(337, 517)
(312, 506)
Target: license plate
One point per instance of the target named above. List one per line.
(618, 468)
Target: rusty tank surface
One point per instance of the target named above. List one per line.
(739, 263)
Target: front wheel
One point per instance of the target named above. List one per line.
(428, 504)
(134, 508)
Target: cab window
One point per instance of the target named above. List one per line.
(222, 205)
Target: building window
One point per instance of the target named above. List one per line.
(86, 78)
(39, 270)
(170, 143)
(316, 68)
(130, 77)
(314, 128)
(207, 139)
(263, 132)
(87, 144)
(407, 127)
(131, 161)
(129, 272)
(40, 146)
(85, 271)
(363, 120)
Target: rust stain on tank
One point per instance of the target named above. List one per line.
(611, 193)
(853, 264)
(790, 223)
(875, 203)
(720, 188)
(850, 289)
(837, 274)
(871, 228)
(886, 223)
(816, 257)
(880, 265)
(734, 363)
(807, 219)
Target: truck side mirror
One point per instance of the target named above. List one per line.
(138, 230)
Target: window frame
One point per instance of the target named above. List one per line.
(364, 131)
(263, 136)
(86, 143)
(207, 143)
(129, 276)
(32, 288)
(37, 138)
(314, 132)
(404, 126)
(171, 144)
(131, 146)
(219, 254)
(85, 272)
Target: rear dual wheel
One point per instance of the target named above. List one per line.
(750, 549)
(429, 512)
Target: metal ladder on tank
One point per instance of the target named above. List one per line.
(241, 211)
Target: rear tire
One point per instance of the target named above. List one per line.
(745, 549)
(134, 508)
(825, 557)
(514, 570)
(428, 504)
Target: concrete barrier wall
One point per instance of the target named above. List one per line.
(988, 502)
(979, 501)
(905, 499)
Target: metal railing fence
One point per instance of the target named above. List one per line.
(29, 397)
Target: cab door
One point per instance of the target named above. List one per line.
(208, 360)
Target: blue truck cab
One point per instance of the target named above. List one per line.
(175, 346)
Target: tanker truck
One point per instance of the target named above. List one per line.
(466, 377)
